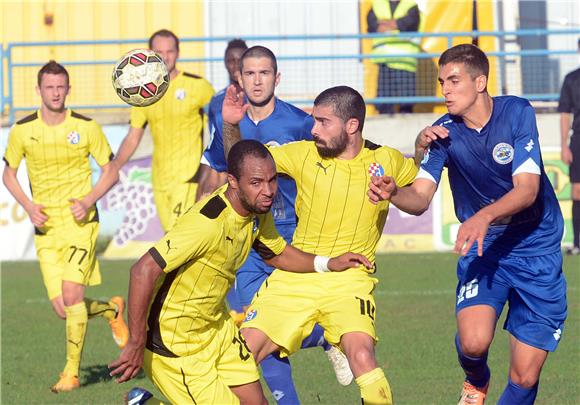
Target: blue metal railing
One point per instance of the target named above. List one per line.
(7, 93)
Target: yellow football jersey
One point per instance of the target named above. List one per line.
(57, 160)
(176, 123)
(200, 256)
(332, 206)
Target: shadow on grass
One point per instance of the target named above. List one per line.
(100, 373)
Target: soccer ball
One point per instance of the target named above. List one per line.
(140, 77)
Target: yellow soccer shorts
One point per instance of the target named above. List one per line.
(68, 253)
(205, 377)
(289, 304)
(172, 202)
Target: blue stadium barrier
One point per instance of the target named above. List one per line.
(7, 92)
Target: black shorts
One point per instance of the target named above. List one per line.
(575, 165)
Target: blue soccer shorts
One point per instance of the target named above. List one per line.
(534, 287)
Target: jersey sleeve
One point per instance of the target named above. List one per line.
(138, 117)
(214, 153)
(191, 237)
(268, 242)
(307, 128)
(15, 148)
(404, 170)
(206, 92)
(527, 156)
(98, 145)
(433, 163)
(285, 156)
(565, 102)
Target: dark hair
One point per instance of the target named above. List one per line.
(236, 43)
(238, 153)
(471, 56)
(260, 52)
(346, 103)
(52, 68)
(163, 33)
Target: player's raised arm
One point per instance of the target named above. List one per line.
(144, 273)
(233, 111)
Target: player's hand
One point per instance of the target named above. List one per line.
(381, 188)
(78, 208)
(472, 230)
(566, 154)
(36, 215)
(128, 364)
(234, 107)
(430, 134)
(348, 261)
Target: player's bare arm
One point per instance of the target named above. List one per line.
(425, 138)
(566, 152)
(210, 180)
(144, 273)
(524, 193)
(129, 145)
(109, 176)
(233, 110)
(34, 211)
(296, 261)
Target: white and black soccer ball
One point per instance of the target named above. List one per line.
(140, 77)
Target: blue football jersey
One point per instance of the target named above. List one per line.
(481, 165)
(286, 124)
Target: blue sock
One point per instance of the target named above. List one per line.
(278, 375)
(514, 394)
(316, 338)
(476, 370)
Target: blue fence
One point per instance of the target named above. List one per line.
(309, 64)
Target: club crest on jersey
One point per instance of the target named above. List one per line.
(251, 315)
(503, 153)
(73, 138)
(256, 225)
(375, 169)
(180, 94)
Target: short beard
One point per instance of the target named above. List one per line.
(334, 148)
(262, 103)
(250, 208)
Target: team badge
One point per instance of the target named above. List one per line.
(73, 138)
(180, 94)
(503, 153)
(251, 315)
(256, 225)
(375, 169)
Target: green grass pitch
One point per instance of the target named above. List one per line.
(415, 323)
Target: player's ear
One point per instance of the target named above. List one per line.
(233, 182)
(37, 87)
(277, 79)
(352, 126)
(481, 83)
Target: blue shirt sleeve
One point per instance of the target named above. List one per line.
(214, 153)
(307, 128)
(525, 141)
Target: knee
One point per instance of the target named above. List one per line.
(524, 378)
(473, 346)
(362, 357)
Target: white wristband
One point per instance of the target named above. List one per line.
(321, 264)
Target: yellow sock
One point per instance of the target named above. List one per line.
(374, 388)
(76, 327)
(99, 308)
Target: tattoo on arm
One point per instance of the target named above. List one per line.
(231, 135)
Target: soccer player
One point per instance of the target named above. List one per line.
(332, 175)
(188, 343)
(569, 105)
(56, 143)
(274, 122)
(177, 129)
(511, 224)
(211, 179)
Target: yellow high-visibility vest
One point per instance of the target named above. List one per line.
(394, 45)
